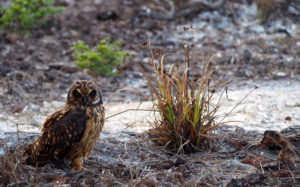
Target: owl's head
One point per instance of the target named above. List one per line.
(84, 93)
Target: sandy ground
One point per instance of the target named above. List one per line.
(274, 105)
(267, 108)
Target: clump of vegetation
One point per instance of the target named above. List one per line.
(12, 168)
(23, 15)
(103, 58)
(186, 110)
(267, 8)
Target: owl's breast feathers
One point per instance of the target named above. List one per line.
(66, 134)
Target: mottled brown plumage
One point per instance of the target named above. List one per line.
(71, 132)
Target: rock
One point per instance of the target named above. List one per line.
(64, 66)
(19, 90)
(53, 105)
(107, 15)
(41, 67)
(107, 159)
(288, 118)
(35, 107)
(18, 75)
(48, 40)
(62, 2)
(4, 70)
(280, 74)
(170, 40)
(255, 160)
(17, 109)
(179, 161)
(150, 181)
(237, 165)
(11, 37)
(35, 123)
(18, 184)
(47, 85)
(5, 50)
(292, 130)
(2, 151)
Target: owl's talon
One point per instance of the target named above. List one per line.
(77, 168)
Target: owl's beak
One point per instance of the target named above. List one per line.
(85, 100)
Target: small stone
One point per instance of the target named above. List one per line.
(19, 90)
(18, 184)
(35, 107)
(69, 68)
(281, 74)
(41, 67)
(257, 28)
(4, 70)
(288, 118)
(179, 161)
(2, 151)
(17, 109)
(35, 123)
(11, 37)
(62, 2)
(237, 165)
(150, 181)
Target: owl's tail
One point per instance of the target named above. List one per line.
(28, 152)
(32, 153)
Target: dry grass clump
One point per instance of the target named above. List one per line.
(12, 169)
(186, 109)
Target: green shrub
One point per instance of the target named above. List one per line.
(103, 58)
(23, 15)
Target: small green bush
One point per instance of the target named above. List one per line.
(23, 15)
(103, 58)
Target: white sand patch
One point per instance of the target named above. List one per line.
(265, 109)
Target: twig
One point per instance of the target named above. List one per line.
(291, 172)
(130, 125)
(126, 152)
(262, 169)
(131, 176)
(18, 133)
(182, 146)
(149, 110)
(239, 103)
(187, 60)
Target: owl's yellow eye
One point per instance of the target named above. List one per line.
(92, 93)
(76, 93)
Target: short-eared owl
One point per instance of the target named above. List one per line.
(71, 132)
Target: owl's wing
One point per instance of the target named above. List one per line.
(56, 116)
(61, 131)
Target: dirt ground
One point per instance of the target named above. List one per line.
(236, 158)
(36, 71)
